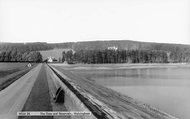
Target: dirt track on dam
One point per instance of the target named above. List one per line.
(39, 99)
(35, 91)
(14, 96)
(29, 93)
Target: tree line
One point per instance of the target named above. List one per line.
(24, 47)
(96, 52)
(18, 56)
(115, 56)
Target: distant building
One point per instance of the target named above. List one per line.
(51, 59)
(65, 62)
(113, 48)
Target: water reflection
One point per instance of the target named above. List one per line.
(165, 88)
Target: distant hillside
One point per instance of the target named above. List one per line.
(175, 52)
(23, 47)
(93, 45)
(56, 53)
(127, 45)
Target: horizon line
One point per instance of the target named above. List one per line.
(96, 41)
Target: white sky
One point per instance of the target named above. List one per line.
(85, 20)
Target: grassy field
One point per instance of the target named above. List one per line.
(10, 72)
(56, 53)
(9, 68)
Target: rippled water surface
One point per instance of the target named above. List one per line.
(166, 88)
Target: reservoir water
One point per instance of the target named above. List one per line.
(166, 88)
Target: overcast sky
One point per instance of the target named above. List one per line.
(165, 21)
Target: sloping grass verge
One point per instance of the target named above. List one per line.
(10, 78)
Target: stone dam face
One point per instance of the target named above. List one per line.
(74, 100)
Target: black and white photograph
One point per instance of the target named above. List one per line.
(94, 59)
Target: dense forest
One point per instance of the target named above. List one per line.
(20, 52)
(94, 45)
(99, 52)
(17, 56)
(124, 56)
(24, 47)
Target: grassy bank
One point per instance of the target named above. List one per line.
(10, 72)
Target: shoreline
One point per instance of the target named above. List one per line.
(121, 66)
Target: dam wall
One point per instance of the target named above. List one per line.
(103, 103)
(71, 101)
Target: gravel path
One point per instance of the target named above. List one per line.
(39, 98)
